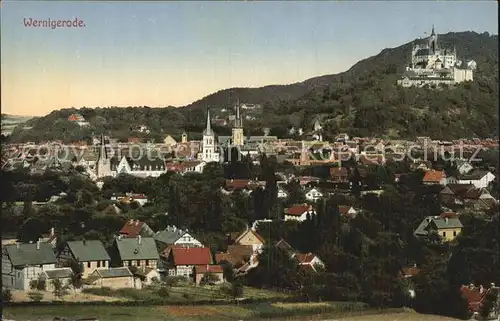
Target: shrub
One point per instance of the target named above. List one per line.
(6, 295)
(39, 284)
(162, 292)
(175, 280)
(35, 296)
(209, 279)
(104, 291)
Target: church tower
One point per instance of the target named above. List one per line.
(433, 42)
(208, 152)
(103, 162)
(238, 138)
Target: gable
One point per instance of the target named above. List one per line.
(249, 238)
(447, 190)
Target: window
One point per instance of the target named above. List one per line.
(98, 264)
(454, 233)
(147, 262)
(138, 263)
(88, 264)
(130, 263)
(444, 234)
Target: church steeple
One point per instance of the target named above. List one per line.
(238, 121)
(208, 128)
(102, 152)
(432, 32)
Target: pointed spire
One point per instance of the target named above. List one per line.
(432, 32)
(102, 153)
(208, 129)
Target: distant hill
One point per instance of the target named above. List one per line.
(9, 122)
(364, 100)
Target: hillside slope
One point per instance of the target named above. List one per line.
(361, 101)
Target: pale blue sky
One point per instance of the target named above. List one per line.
(172, 53)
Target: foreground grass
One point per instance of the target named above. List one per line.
(183, 294)
(184, 313)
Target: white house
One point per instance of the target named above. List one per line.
(478, 178)
(464, 166)
(347, 210)
(22, 263)
(282, 193)
(313, 194)
(298, 212)
(175, 236)
(186, 167)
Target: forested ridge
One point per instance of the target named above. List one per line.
(364, 100)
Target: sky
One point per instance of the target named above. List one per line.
(173, 53)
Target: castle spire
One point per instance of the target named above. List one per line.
(237, 120)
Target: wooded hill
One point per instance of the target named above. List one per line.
(364, 100)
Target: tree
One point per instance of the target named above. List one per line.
(76, 276)
(35, 296)
(6, 295)
(60, 289)
(489, 302)
(235, 289)
(209, 279)
(39, 284)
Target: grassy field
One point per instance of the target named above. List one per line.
(182, 294)
(258, 311)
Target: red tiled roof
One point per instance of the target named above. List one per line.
(131, 228)
(202, 269)
(473, 296)
(298, 210)
(410, 271)
(191, 256)
(448, 215)
(236, 183)
(304, 258)
(235, 254)
(344, 209)
(433, 176)
(181, 166)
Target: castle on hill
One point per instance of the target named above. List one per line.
(431, 64)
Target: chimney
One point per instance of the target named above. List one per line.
(136, 222)
(139, 239)
(38, 245)
(52, 231)
(119, 237)
(131, 222)
(481, 289)
(446, 220)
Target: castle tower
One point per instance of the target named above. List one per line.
(237, 137)
(103, 167)
(208, 152)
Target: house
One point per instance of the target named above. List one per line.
(452, 194)
(63, 274)
(235, 255)
(135, 227)
(91, 253)
(185, 167)
(201, 270)
(135, 251)
(298, 212)
(130, 197)
(466, 194)
(248, 237)
(182, 261)
(282, 193)
(475, 296)
(313, 194)
(282, 244)
(347, 210)
(115, 278)
(172, 235)
(22, 263)
(447, 226)
(145, 274)
(478, 178)
(169, 141)
(339, 174)
(463, 166)
(50, 238)
(433, 177)
(309, 260)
